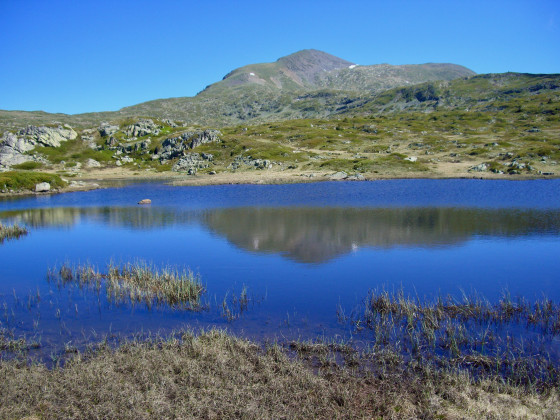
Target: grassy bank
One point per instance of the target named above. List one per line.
(215, 375)
(26, 180)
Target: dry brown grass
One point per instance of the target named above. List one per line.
(215, 375)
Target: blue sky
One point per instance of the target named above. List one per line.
(80, 56)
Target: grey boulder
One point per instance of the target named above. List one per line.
(42, 187)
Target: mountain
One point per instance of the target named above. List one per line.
(293, 72)
(308, 83)
(313, 69)
(266, 91)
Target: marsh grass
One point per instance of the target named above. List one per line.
(511, 341)
(11, 232)
(136, 282)
(234, 305)
(9, 343)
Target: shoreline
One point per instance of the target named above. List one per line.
(106, 178)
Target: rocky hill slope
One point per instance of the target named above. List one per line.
(266, 92)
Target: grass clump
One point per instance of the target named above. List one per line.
(21, 180)
(11, 232)
(140, 282)
(136, 282)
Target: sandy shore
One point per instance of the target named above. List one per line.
(286, 176)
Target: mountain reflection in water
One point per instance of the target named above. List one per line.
(313, 234)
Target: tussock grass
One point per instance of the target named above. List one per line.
(136, 282)
(11, 232)
(216, 375)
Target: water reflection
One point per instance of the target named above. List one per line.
(314, 235)
(141, 218)
(318, 234)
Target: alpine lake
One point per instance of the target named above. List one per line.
(284, 262)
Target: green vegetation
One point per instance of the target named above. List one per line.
(74, 150)
(11, 232)
(215, 375)
(28, 166)
(23, 180)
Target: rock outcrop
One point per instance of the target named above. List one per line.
(176, 146)
(106, 129)
(92, 163)
(47, 136)
(240, 161)
(338, 176)
(483, 167)
(191, 162)
(13, 147)
(136, 147)
(142, 128)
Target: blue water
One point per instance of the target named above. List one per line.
(301, 250)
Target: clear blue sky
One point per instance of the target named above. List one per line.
(78, 56)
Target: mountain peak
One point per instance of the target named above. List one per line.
(308, 63)
(312, 69)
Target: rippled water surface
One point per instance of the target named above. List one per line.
(301, 251)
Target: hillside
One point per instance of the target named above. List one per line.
(265, 92)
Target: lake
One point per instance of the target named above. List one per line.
(303, 252)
